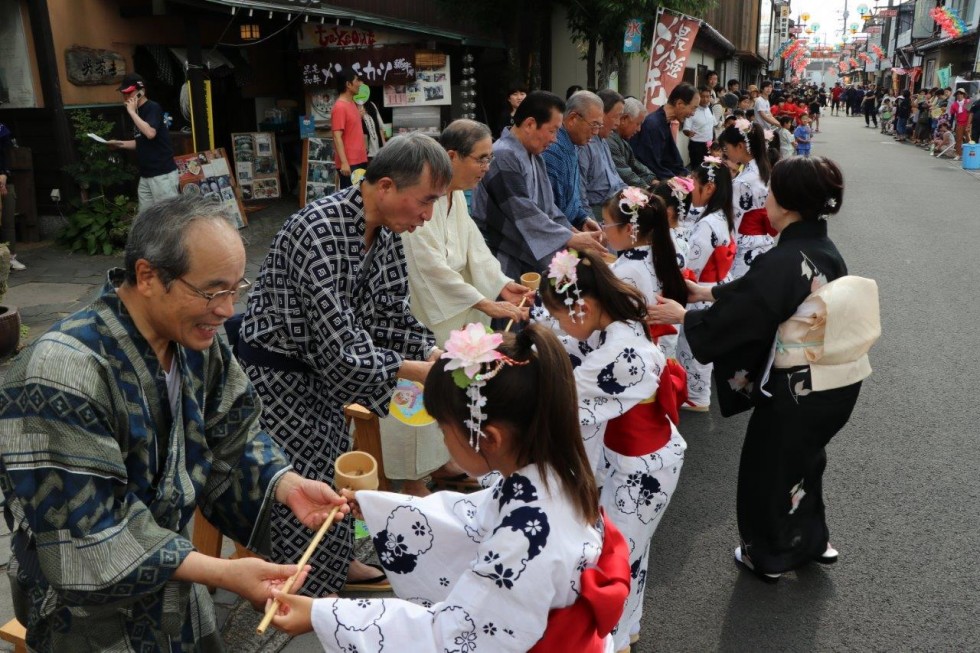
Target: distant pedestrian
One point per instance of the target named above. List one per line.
(803, 136)
(151, 142)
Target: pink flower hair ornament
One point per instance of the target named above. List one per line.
(631, 200)
(474, 360)
(711, 164)
(745, 127)
(563, 273)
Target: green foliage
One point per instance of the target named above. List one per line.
(99, 226)
(97, 166)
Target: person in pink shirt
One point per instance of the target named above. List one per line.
(350, 147)
(961, 117)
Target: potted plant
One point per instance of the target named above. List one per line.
(9, 315)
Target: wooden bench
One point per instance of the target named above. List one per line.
(367, 438)
(14, 633)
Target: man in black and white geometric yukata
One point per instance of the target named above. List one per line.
(328, 324)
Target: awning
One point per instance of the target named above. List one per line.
(940, 41)
(318, 8)
(715, 38)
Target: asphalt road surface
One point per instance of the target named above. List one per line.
(902, 480)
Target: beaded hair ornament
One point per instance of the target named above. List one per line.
(631, 201)
(745, 128)
(680, 188)
(563, 273)
(711, 164)
(474, 360)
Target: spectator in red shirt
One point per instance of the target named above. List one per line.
(961, 116)
(835, 94)
(350, 147)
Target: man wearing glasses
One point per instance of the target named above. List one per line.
(583, 120)
(514, 204)
(116, 425)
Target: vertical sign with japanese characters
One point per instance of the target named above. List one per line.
(673, 40)
(633, 35)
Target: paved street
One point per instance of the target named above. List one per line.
(901, 483)
(902, 488)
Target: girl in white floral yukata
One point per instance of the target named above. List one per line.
(638, 228)
(627, 400)
(745, 144)
(528, 564)
(709, 258)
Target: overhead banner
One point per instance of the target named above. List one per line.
(673, 40)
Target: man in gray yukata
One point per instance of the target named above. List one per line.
(514, 204)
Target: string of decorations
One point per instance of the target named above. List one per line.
(948, 20)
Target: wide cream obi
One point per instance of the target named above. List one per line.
(832, 332)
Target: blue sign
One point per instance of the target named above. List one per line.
(632, 41)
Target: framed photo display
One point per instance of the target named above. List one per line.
(208, 173)
(256, 165)
(319, 177)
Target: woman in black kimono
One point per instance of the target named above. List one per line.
(780, 504)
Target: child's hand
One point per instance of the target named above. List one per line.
(355, 509)
(295, 614)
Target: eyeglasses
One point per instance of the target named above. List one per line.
(595, 126)
(219, 296)
(484, 161)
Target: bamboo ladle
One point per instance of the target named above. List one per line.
(532, 281)
(354, 470)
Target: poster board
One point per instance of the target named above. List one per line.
(318, 176)
(208, 173)
(431, 87)
(256, 165)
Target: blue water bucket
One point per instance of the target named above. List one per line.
(971, 156)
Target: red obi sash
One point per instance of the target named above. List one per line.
(756, 223)
(645, 427)
(583, 626)
(719, 264)
(658, 331)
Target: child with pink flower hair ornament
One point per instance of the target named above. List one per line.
(628, 398)
(528, 564)
(637, 227)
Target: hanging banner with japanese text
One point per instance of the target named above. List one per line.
(673, 40)
(375, 66)
(633, 35)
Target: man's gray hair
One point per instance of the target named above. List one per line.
(462, 135)
(581, 101)
(633, 108)
(159, 234)
(403, 160)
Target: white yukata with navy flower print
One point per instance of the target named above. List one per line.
(635, 267)
(616, 370)
(476, 572)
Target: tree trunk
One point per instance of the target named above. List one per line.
(590, 64)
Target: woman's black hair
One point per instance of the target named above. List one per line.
(812, 186)
(732, 135)
(620, 300)
(536, 403)
(721, 200)
(652, 225)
